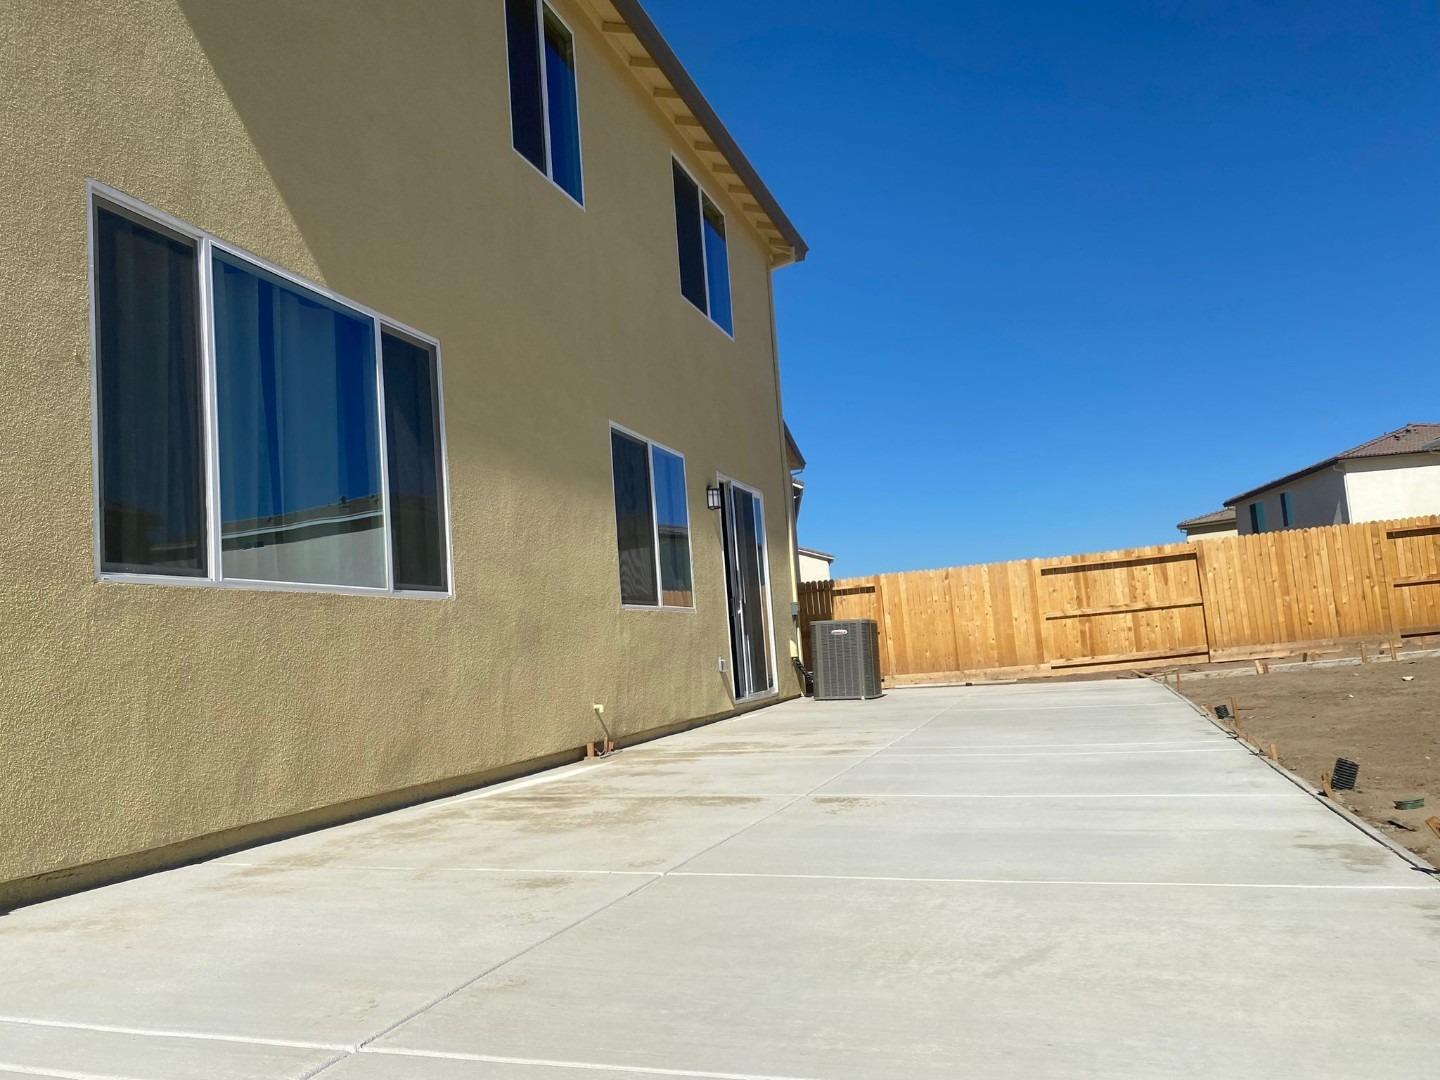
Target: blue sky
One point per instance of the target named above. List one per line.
(1079, 271)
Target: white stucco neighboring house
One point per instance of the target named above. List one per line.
(1212, 526)
(1396, 475)
(814, 565)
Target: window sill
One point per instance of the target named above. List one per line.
(269, 586)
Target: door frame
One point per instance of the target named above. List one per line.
(721, 479)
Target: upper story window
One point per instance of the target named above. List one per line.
(652, 523)
(544, 109)
(1257, 517)
(704, 255)
(314, 460)
(1287, 512)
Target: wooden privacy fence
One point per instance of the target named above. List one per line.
(1225, 599)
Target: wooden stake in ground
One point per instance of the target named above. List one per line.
(1364, 654)
(1235, 715)
(1325, 788)
(1273, 755)
(1433, 824)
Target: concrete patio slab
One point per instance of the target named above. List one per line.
(75, 1052)
(1064, 880)
(722, 774)
(1205, 773)
(391, 1066)
(1207, 840)
(324, 956)
(526, 832)
(924, 980)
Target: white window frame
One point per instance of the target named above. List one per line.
(701, 197)
(721, 479)
(541, 7)
(206, 245)
(650, 445)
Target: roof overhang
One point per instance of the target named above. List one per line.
(1282, 481)
(794, 458)
(654, 64)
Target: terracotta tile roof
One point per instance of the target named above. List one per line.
(1413, 438)
(1410, 439)
(1225, 516)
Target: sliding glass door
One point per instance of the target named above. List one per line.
(747, 586)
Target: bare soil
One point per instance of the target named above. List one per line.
(1367, 713)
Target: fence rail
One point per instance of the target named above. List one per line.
(1222, 599)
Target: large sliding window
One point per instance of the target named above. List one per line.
(544, 98)
(316, 460)
(704, 253)
(652, 523)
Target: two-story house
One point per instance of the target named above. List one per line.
(391, 406)
(1395, 475)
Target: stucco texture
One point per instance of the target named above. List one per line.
(363, 144)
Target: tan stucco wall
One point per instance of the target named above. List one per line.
(364, 144)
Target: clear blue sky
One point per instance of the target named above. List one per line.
(1080, 270)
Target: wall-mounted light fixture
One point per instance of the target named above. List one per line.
(712, 498)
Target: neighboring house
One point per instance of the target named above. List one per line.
(1212, 526)
(814, 565)
(1394, 476)
(266, 562)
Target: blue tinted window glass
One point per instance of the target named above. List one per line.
(687, 232)
(296, 398)
(147, 351)
(412, 450)
(527, 108)
(717, 267)
(1257, 517)
(1287, 517)
(564, 110)
(672, 523)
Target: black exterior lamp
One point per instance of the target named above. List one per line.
(712, 498)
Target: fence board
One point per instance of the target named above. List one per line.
(1225, 598)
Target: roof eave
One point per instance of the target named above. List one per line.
(1282, 480)
(669, 65)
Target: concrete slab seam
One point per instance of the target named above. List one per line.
(585, 1066)
(1049, 881)
(166, 1033)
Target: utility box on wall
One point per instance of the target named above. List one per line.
(846, 653)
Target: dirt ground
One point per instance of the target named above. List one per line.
(1367, 713)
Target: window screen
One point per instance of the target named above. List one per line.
(152, 462)
(634, 520)
(414, 463)
(688, 235)
(527, 98)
